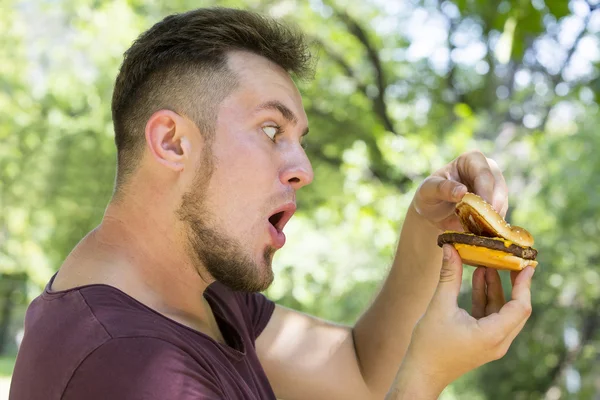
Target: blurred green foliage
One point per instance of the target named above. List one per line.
(401, 88)
(7, 364)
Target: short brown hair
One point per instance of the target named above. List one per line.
(180, 64)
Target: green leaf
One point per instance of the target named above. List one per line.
(558, 8)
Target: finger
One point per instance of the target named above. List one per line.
(522, 288)
(518, 329)
(495, 293)
(504, 210)
(436, 189)
(513, 313)
(448, 289)
(500, 196)
(475, 172)
(511, 337)
(478, 296)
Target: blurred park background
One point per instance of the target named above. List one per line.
(402, 87)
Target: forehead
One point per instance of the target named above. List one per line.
(260, 80)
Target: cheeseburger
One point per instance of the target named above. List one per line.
(488, 240)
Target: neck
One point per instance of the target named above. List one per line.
(142, 252)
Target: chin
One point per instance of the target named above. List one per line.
(252, 276)
(261, 281)
(264, 273)
(267, 256)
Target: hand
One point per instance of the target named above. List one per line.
(471, 172)
(448, 342)
(487, 293)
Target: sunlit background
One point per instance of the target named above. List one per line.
(402, 87)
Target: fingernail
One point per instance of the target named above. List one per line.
(446, 252)
(456, 191)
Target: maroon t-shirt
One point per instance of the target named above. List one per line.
(97, 343)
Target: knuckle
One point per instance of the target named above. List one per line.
(446, 275)
(441, 184)
(495, 339)
(523, 309)
(492, 163)
(468, 155)
(500, 352)
(475, 152)
(486, 176)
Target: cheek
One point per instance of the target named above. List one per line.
(247, 167)
(244, 179)
(238, 200)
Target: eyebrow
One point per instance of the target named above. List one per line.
(283, 109)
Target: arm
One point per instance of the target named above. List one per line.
(383, 333)
(307, 358)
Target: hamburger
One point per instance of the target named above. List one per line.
(488, 240)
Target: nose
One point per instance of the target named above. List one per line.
(297, 171)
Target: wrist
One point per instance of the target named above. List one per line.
(413, 383)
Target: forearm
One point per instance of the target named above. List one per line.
(411, 384)
(383, 333)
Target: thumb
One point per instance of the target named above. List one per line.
(448, 287)
(437, 189)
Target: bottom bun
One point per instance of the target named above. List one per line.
(483, 257)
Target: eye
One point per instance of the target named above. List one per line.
(271, 131)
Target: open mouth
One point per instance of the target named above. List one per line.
(282, 216)
(276, 218)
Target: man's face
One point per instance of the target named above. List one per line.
(245, 188)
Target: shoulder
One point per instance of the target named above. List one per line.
(141, 368)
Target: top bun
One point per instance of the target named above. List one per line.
(479, 217)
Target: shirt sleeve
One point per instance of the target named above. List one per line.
(141, 368)
(260, 309)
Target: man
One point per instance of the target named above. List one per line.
(161, 300)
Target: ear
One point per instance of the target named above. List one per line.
(167, 134)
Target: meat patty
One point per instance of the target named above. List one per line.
(526, 253)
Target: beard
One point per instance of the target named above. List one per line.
(221, 255)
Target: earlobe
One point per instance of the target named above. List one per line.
(165, 135)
